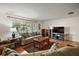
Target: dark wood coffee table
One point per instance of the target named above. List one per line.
(41, 42)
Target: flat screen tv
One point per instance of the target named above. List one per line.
(58, 29)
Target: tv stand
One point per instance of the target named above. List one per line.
(58, 36)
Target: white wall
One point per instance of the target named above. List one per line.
(35, 26)
(5, 25)
(71, 25)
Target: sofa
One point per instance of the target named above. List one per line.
(28, 37)
(64, 51)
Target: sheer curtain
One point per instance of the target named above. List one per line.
(4, 30)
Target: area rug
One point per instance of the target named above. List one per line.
(35, 49)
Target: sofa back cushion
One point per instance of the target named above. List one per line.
(66, 51)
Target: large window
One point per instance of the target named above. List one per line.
(24, 26)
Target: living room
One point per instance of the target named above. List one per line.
(44, 29)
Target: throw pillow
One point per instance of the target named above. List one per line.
(9, 52)
(53, 47)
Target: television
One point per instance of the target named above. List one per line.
(58, 29)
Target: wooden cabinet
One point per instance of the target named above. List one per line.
(46, 32)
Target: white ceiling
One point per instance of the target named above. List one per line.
(41, 11)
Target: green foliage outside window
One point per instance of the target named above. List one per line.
(24, 25)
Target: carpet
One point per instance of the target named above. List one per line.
(35, 49)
